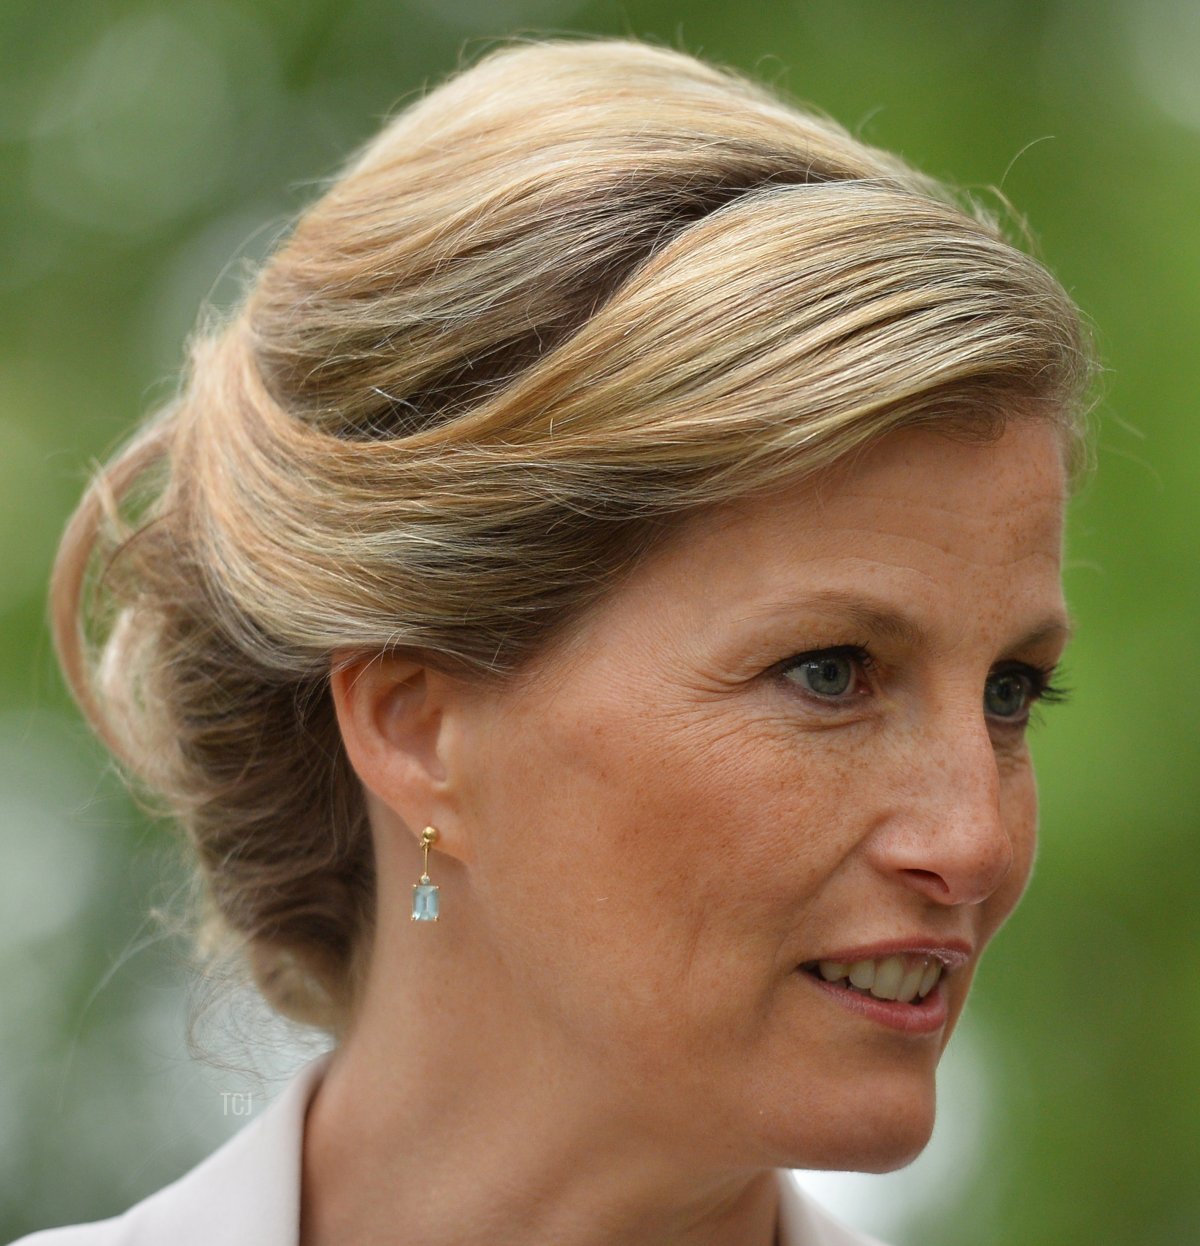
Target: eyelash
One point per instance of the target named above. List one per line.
(1045, 691)
(1042, 688)
(860, 654)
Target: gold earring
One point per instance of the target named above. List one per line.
(425, 893)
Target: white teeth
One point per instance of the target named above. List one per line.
(929, 979)
(862, 974)
(911, 983)
(888, 976)
(902, 978)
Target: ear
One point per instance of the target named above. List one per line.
(397, 719)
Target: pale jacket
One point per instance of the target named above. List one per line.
(247, 1193)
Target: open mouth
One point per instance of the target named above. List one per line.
(899, 979)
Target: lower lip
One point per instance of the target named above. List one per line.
(925, 1018)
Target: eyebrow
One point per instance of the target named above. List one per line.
(891, 624)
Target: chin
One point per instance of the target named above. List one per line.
(867, 1132)
(888, 1154)
(874, 1146)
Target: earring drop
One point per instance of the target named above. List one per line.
(425, 893)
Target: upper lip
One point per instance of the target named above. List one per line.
(953, 953)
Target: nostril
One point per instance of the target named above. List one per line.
(961, 882)
(930, 882)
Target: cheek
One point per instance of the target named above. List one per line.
(675, 839)
(1019, 808)
(619, 805)
(607, 874)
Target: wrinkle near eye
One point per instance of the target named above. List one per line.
(1012, 755)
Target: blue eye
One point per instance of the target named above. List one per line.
(829, 673)
(1010, 693)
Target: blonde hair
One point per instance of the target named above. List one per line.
(573, 295)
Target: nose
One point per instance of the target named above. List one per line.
(945, 835)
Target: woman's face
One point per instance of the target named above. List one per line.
(792, 746)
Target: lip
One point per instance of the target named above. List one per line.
(927, 1017)
(953, 953)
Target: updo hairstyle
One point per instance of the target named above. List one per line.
(572, 296)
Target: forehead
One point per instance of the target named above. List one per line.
(990, 498)
(918, 522)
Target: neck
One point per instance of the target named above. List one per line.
(433, 1126)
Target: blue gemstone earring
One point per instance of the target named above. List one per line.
(425, 893)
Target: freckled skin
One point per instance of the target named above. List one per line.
(607, 1037)
(670, 830)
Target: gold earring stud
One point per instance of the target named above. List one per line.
(425, 893)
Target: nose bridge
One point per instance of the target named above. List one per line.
(952, 842)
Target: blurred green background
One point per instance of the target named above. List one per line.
(144, 146)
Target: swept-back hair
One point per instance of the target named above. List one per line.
(575, 294)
